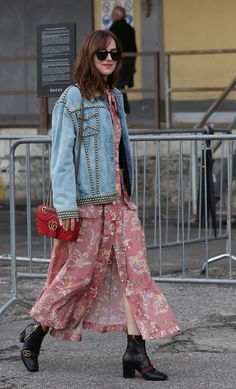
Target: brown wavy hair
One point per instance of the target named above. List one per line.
(90, 81)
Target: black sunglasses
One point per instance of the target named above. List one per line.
(102, 54)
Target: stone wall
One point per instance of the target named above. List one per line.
(169, 174)
(167, 169)
(38, 177)
(169, 183)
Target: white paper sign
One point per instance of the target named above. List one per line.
(107, 7)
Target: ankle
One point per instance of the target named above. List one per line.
(135, 338)
(44, 328)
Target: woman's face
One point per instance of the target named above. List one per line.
(108, 65)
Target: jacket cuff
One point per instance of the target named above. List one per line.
(67, 214)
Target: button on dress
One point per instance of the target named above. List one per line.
(87, 278)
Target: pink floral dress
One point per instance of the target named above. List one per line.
(87, 278)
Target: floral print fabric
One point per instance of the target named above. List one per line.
(87, 278)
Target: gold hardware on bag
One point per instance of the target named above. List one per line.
(46, 208)
(52, 225)
(27, 353)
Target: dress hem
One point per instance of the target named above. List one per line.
(104, 328)
(61, 333)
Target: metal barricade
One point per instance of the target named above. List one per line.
(6, 142)
(163, 193)
(163, 169)
(17, 174)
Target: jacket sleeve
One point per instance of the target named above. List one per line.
(62, 163)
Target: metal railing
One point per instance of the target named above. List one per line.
(169, 89)
(172, 224)
(41, 120)
(162, 169)
(168, 103)
(23, 178)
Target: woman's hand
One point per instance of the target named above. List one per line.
(67, 224)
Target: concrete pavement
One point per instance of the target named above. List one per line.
(203, 355)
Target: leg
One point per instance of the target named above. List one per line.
(122, 85)
(135, 357)
(44, 328)
(126, 103)
(131, 323)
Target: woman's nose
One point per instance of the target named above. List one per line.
(109, 57)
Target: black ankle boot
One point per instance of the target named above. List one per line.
(135, 358)
(32, 337)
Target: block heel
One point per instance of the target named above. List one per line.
(128, 371)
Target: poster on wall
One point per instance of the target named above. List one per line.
(107, 7)
(55, 57)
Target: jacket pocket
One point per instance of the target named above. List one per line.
(89, 123)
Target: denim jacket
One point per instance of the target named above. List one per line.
(83, 160)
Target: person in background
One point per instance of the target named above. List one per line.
(101, 281)
(126, 34)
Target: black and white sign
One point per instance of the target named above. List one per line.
(55, 57)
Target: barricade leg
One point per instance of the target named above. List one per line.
(228, 254)
(14, 297)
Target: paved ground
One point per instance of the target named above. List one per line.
(203, 355)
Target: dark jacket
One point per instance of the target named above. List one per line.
(126, 34)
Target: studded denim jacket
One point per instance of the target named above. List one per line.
(83, 160)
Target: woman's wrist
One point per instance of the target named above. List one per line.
(68, 224)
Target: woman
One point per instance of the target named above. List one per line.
(101, 281)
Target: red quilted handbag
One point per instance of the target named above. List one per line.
(47, 224)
